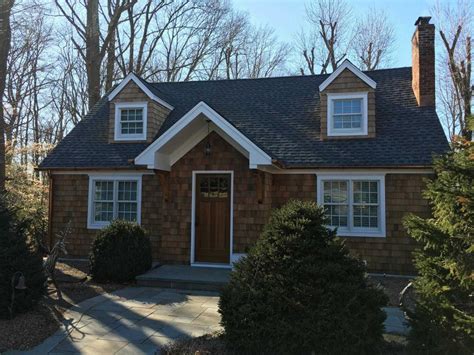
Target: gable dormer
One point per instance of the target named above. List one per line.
(347, 104)
(135, 112)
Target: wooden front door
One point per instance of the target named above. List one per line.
(212, 220)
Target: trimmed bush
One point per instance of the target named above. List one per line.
(120, 252)
(18, 255)
(298, 291)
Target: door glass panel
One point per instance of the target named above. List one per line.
(223, 187)
(214, 187)
(204, 187)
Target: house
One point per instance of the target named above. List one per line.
(200, 165)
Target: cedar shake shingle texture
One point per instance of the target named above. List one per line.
(281, 116)
(168, 223)
(347, 82)
(155, 112)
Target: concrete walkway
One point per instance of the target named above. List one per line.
(135, 320)
(395, 323)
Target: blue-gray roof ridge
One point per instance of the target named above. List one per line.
(281, 116)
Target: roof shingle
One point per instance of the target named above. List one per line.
(281, 116)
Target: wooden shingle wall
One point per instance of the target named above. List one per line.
(156, 112)
(348, 82)
(168, 221)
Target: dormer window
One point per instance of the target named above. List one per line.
(347, 114)
(130, 121)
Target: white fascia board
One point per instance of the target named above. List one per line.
(256, 155)
(142, 86)
(347, 65)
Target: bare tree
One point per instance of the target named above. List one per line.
(139, 37)
(192, 39)
(326, 45)
(373, 41)
(69, 100)
(455, 65)
(254, 53)
(91, 50)
(5, 42)
(27, 81)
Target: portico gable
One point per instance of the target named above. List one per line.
(192, 128)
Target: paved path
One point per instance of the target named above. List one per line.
(395, 323)
(139, 320)
(135, 320)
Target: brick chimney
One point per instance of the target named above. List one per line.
(423, 62)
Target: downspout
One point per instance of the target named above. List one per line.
(50, 209)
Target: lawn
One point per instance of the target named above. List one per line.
(29, 329)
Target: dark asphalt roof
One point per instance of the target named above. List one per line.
(281, 116)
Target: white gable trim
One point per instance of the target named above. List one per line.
(142, 86)
(256, 155)
(347, 65)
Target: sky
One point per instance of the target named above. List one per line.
(288, 16)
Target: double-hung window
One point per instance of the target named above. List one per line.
(355, 204)
(130, 120)
(113, 197)
(347, 114)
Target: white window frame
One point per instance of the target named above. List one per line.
(91, 223)
(352, 231)
(334, 132)
(119, 106)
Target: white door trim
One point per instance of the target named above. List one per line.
(193, 217)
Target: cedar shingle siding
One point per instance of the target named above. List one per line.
(347, 82)
(169, 222)
(156, 113)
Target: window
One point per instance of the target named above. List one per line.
(336, 202)
(113, 197)
(347, 114)
(214, 186)
(355, 205)
(130, 120)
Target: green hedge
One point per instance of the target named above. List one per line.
(17, 256)
(120, 252)
(298, 291)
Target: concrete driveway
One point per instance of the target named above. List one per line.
(134, 320)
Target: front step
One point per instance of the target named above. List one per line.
(185, 277)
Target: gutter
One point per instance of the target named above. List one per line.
(85, 168)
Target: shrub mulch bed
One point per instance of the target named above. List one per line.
(31, 328)
(214, 344)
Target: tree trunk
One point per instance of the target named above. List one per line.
(110, 70)
(5, 38)
(93, 59)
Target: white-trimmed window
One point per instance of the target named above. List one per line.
(130, 120)
(347, 114)
(355, 204)
(113, 197)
